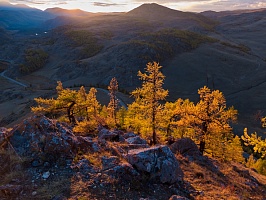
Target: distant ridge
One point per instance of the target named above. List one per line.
(64, 12)
(9, 6)
(214, 14)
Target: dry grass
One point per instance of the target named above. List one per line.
(52, 188)
(216, 180)
(95, 158)
(11, 167)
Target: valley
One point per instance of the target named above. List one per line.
(149, 132)
(224, 50)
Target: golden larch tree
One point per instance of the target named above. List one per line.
(149, 95)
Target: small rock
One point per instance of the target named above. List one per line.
(36, 163)
(34, 193)
(176, 197)
(46, 175)
(46, 164)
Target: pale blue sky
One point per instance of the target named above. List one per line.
(126, 5)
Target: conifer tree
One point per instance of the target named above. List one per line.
(148, 96)
(72, 103)
(82, 110)
(65, 102)
(209, 118)
(92, 103)
(113, 104)
(258, 144)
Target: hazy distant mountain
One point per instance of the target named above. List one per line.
(216, 15)
(8, 6)
(22, 17)
(65, 12)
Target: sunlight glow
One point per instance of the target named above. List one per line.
(127, 5)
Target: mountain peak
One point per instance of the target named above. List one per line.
(151, 10)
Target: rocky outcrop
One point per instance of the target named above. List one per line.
(158, 162)
(44, 140)
(185, 147)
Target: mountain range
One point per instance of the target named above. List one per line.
(224, 50)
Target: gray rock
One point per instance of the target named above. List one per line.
(34, 193)
(46, 175)
(128, 147)
(129, 134)
(105, 134)
(158, 161)
(124, 171)
(136, 140)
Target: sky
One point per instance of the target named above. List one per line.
(127, 5)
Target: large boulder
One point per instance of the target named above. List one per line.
(158, 162)
(185, 147)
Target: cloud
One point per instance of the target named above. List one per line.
(103, 4)
(220, 5)
(43, 2)
(202, 5)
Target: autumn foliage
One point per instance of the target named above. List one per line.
(207, 122)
